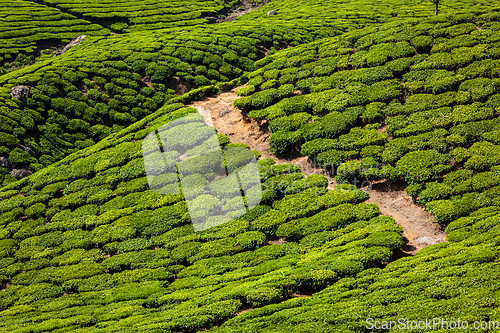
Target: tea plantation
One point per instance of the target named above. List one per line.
(105, 84)
(142, 15)
(416, 101)
(329, 18)
(457, 280)
(91, 242)
(85, 242)
(25, 25)
(32, 29)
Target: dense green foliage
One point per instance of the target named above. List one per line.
(31, 28)
(25, 26)
(143, 15)
(416, 101)
(454, 280)
(85, 242)
(87, 246)
(105, 84)
(328, 18)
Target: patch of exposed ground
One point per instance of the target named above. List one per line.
(219, 112)
(276, 240)
(420, 230)
(241, 8)
(74, 42)
(243, 311)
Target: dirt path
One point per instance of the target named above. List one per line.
(419, 228)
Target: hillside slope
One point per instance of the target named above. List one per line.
(26, 26)
(30, 29)
(329, 18)
(416, 102)
(87, 246)
(107, 83)
(126, 15)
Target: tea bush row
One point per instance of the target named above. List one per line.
(26, 26)
(125, 16)
(451, 277)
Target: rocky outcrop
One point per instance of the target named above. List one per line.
(20, 92)
(4, 162)
(74, 42)
(20, 173)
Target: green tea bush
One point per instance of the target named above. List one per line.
(282, 140)
(248, 90)
(20, 157)
(289, 123)
(421, 166)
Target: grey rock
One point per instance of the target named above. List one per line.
(272, 12)
(74, 42)
(20, 92)
(4, 162)
(20, 173)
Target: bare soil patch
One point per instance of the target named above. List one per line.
(276, 240)
(244, 310)
(420, 229)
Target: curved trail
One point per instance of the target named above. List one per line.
(420, 230)
(220, 113)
